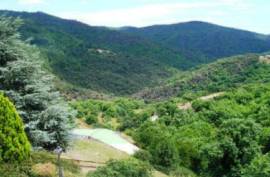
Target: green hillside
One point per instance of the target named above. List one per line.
(218, 76)
(226, 136)
(203, 42)
(123, 62)
(98, 58)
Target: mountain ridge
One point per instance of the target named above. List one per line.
(188, 22)
(73, 51)
(118, 62)
(205, 40)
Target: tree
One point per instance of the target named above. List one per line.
(265, 140)
(164, 152)
(148, 133)
(259, 166)
(14, 145)
(24, 81)
(239, 141)
(197, 145)
(158, 140)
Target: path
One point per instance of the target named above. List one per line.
(85, 165)
(211, 96)
(188, 105)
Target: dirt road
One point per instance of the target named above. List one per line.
(188, 105)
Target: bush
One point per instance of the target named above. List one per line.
(182, 172)
(91, 119)
(265, 139)
(14, 145)
(260, 166)
(143, 155)
(165, 155)
(123, 168)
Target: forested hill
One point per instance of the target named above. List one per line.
(221, 75)
(204, 42)
(126, 61)
(96, 57)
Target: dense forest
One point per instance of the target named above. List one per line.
(222, 75)
(98, 58)
(121, 63)
(228, 136)
(148, 80)
(204, 42)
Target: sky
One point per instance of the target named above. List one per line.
(250, 15)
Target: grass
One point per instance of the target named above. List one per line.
(94, 151)
(159, 174)
(45, 163)
(82, 124)
(40, 159)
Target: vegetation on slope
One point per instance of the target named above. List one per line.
(116, 114)
(98, 58)
(123, 168)
(204, 42)
(219, 76)
(228, 136)
(121, 63)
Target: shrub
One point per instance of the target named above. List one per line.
(143, 155)
(14, 145)
(123, 168)
(182, 172)
(259, 166)
(91, 119)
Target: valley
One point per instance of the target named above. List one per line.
(135, 58)
(188, 99)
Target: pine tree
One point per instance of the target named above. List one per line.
(24, 81)
(14, 145)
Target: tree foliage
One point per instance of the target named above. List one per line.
(117, 113)
(24, 81)
(260, 166)
(14, 145)
(224, 137)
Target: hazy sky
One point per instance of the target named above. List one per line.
(252, 15)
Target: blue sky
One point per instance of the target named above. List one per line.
(252, 15)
